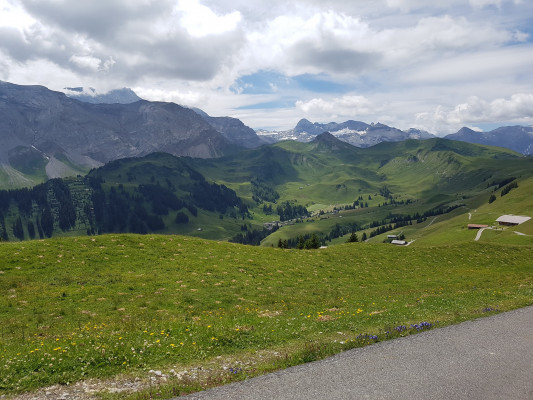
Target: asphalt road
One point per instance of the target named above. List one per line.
(489, 358)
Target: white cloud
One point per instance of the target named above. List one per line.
(200, 21)
(12, 15)
(486, 66)
(185, 97)
(346, 106)
(518, 108)
(296, 44)
(87, 62)
(407, 5)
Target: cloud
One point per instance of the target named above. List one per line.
(100, 20)
(13, 16)
(333, 58)
(485, 3)
(387, 60)
(519, 108)
(192, 99)
(476, 66)
(407, 5)
(323, 42)
(126, 41)
(199, 20)
(88, 62)
(346, 106)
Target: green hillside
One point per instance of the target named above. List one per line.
(157, 193)
(326, 187)
(121, 305)
(390, 179)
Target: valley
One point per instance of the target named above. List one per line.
(325, 187)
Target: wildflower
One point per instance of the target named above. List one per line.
(400, 328)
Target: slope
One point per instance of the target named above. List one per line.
(158, 193)
(82, 308)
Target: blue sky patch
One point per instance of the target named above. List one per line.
(265, 82)
(282, 103)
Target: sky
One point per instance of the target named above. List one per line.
(436, 66)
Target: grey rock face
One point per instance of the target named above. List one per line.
(89, 135)
(233, 129)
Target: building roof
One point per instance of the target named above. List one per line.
(399, 242)
(513, 219)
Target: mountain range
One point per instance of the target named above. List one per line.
(517, 138)
(357, 133)
(46, 134)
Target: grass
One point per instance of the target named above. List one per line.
(79, 308)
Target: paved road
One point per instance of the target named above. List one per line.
(489, 358)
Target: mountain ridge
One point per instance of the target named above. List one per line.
(233, 129)
(356, 133)
(45, 125)
(518, 138)
(91, 95)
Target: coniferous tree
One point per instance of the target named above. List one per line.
(47, 222)
(31, 230)
(39, 228)
(313, 242)
(353, 238)
(182, 218)
(18, 231)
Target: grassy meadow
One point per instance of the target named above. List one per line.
(121, 305)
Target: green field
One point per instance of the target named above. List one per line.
(121, 305)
